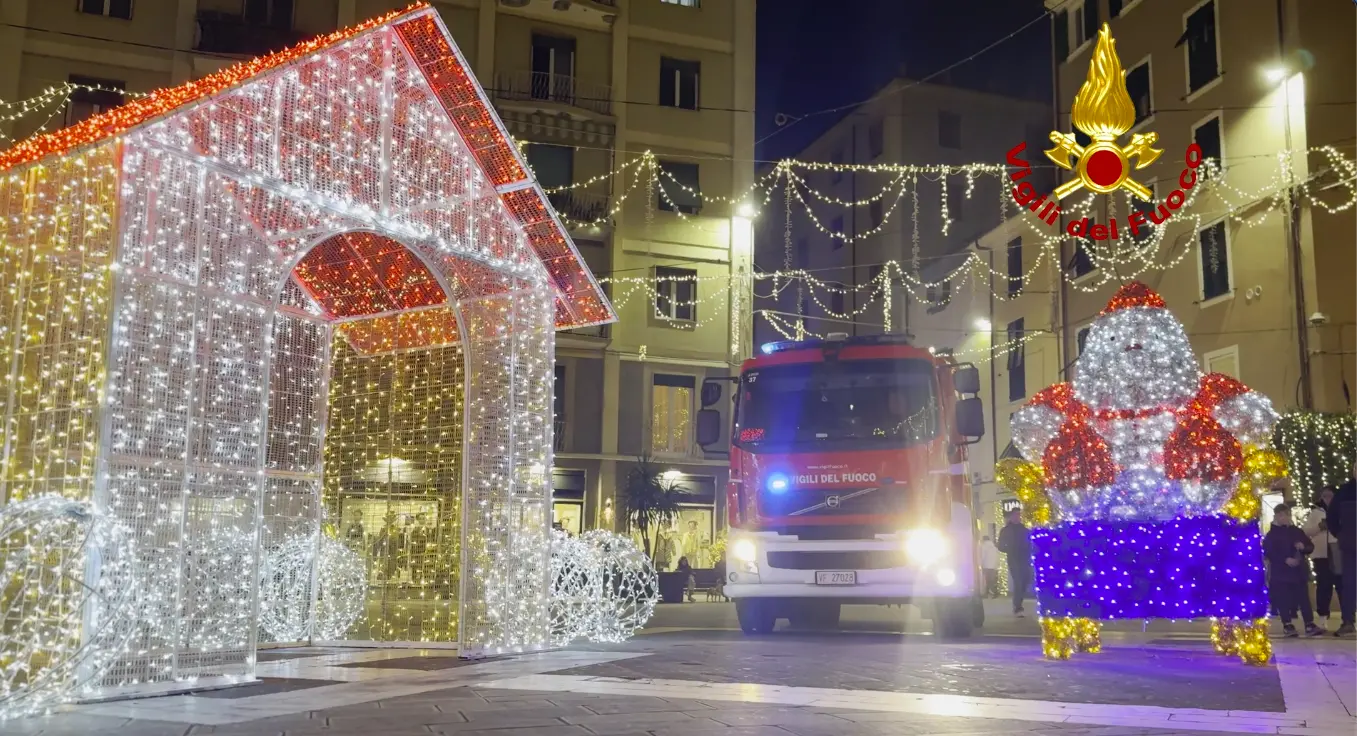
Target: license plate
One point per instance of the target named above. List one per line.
(836, 577)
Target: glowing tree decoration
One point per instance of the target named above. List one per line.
(603, 588)
(177, 270)
(1150, 473)
(68, 600)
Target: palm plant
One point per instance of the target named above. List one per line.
(649, 502)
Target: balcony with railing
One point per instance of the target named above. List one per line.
(558, 434)
(230, 33)
(555, 90)
(581, 209)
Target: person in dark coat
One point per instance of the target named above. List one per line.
(1285, 548)
(1015, 541)
(1342, 522)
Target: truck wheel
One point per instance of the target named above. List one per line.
(756, 616)
(953, 618)
(816, 615)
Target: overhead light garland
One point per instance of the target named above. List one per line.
(1320, 449)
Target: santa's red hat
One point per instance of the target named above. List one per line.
(1134, 294)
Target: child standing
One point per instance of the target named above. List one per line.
(1285, 548)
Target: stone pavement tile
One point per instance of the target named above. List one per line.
(559, 729)
(539, 717)
(60, 723)
(401, 719)
(742, 731)
(617, 705)
(774, 716)
(624, 723)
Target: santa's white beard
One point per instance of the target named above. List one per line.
(1136, 358)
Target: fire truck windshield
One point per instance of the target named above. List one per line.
(801, 406)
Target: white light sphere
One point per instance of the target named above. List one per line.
(628, 587)
(70, 601)
(285, 609)
(342, 583)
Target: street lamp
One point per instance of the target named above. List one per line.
(983, 325)
(1275, 73)
(746, 210)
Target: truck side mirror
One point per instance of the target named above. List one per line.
(709, 426)
(970, 419)
(711, 393)
(966, 379)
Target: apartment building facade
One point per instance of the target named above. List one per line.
(1264, 291)
(587, 87)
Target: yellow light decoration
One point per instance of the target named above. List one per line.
(1252, 642)
(1261, 468)
(1059, 637)
(1025, 480)
(1088, 635)
(1223, 636)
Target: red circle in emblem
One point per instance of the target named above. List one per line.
(1104, 168)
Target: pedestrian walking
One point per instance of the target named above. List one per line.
(1342, 521)
(689, 579)
(989, 565)
(1325, 556)
(1285, 548)
(1015, 541)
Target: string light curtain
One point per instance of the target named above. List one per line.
(170, 331)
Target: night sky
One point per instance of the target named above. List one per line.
(816, 54)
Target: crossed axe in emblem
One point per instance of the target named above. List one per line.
(1141, 147)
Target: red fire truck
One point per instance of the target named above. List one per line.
(849, 482)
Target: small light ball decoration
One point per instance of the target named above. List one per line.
(604, 589)
(1150, 472)
(341, 589)
(285, 610)
(574, 575)
(69, 601)
(628, 587)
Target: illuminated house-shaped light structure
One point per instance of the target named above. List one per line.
(175, 270)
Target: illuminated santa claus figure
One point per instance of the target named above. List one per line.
(1141, 433)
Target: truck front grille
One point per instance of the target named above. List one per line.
(871, 559)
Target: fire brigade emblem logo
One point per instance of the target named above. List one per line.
(832, 502)
(1103, 110)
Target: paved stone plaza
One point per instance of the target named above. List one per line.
(691, 672)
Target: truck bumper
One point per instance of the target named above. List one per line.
(786, 567)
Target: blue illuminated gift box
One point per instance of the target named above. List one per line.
(1182, 568)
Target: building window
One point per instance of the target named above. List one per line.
(1081, 339)
(938, 296)
(836, 303)
(1062, 35)
(949, 129)
(1139, 87)
(876, 141)
(836, 232)
(554, 166)
(1147, 230)
(1203, 50)
(683, 3)
(676, 294)
(1081, 262)
(269, 14)
(553, 68)
(680, 188)
(679, 83)
(1085, 22)
(1207, 135)
(1082, 138)
(1214, 246)
(111, 8)
(1225, 360)
(802, 254)
(1017, 361)
(1014, 267)
(875, 213)
(558, 397)
(1114, 8)
(671, 409)
(92, 96)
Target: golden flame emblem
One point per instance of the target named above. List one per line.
(1104, 112)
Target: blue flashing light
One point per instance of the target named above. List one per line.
(777, 482)
(768, 347)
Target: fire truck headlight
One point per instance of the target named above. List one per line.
(925, 546)
(745, 551)
(946, 576)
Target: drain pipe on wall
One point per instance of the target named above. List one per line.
(1307, 398)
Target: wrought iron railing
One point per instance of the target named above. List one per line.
(558, 434)
(528, 85)
(580, 207)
